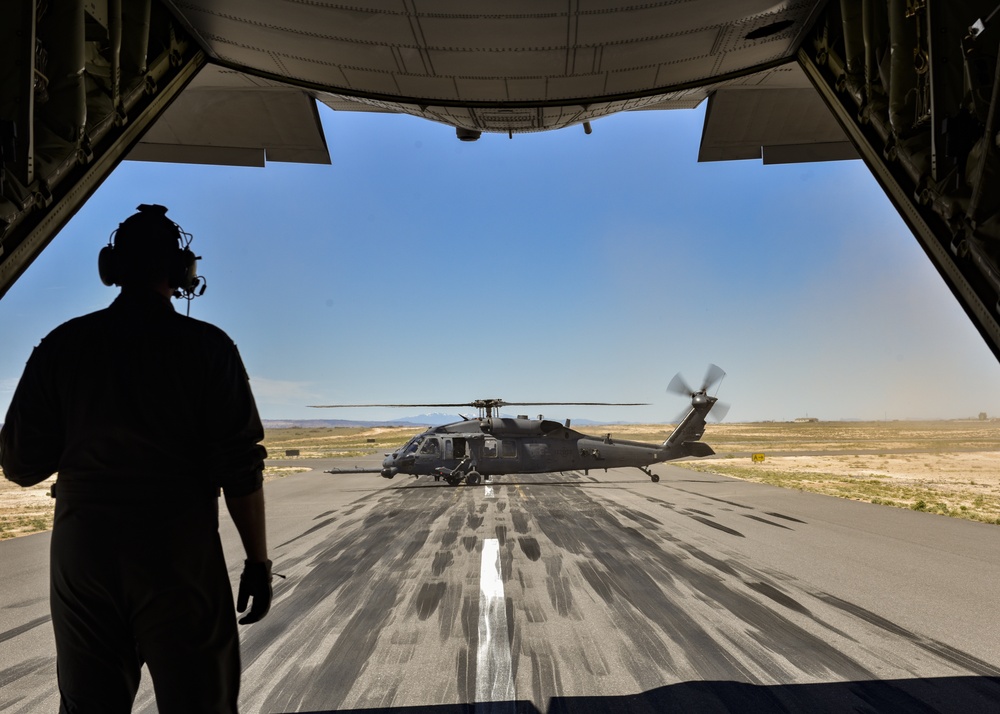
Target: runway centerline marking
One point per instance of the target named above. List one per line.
(494, 677)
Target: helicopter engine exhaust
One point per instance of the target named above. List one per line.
(503, 426)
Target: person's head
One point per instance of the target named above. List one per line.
(148, 251)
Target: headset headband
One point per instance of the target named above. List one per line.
(147, 243)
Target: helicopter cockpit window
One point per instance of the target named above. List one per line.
(411, 447)
(430, 446)
(490, 448)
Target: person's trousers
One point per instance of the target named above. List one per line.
(142, 584)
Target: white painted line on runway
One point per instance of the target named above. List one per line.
(489, 492)
(494, 678)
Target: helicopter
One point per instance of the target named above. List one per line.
(492, 445)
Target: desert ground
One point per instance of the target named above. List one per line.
(946, 467)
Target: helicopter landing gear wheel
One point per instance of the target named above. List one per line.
(472, 478)
(652, 477)
(453, 480)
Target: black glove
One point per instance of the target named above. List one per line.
(255, 582)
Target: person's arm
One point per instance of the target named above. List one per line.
(255, 582)
(31, 439)
(248, 515)
(236, 460)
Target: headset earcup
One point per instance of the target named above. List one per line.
(107, 266)
(183, 269)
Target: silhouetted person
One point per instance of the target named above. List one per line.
(145, 414)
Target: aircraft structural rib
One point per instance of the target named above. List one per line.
(915, 88)
(77, 90)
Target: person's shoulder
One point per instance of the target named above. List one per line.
(206, 330)
(76, 327)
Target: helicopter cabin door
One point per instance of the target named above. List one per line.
(455, 448)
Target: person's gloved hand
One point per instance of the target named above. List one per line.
(255, 582)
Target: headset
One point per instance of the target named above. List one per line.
(145, 243)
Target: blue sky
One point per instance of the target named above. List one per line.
(554, 266)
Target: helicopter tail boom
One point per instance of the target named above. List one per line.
(692, 427)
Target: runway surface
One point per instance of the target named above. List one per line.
(573, 593)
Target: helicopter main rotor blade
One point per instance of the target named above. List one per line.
(580, 404)
(484, 402)
(354, 406)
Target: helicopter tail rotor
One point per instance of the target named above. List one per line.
(719, 411)
(713, 376)
(679, 386)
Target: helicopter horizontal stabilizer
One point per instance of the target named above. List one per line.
(698, 448)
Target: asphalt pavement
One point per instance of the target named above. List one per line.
(585, 593)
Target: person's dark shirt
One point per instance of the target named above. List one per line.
(135, 401)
